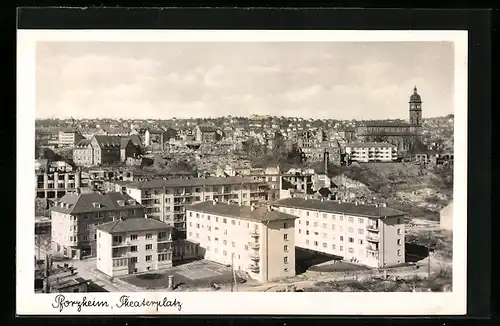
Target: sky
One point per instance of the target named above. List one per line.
(321, 80)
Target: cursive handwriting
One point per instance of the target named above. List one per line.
(127, 303)
(60, 303)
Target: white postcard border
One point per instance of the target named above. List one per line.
(29, 303)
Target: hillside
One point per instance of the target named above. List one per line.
(422, 192)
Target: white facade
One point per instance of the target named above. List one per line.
(370, 241)
(265, 250)
(371, 152)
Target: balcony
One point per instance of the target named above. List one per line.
(121, 255)
(372, 239)
(125, 243)
(372, 227)
(255, 257)
(254, 245)
(164, 239)
(254, 268)
(254, 234)
(146, 196)
(372, 248)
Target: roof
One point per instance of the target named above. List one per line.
(136, 140)
(133, 225)
(83, 203)
(415, 98)
(259, 214)
(370, 144)
(124, 142)
(108, 141)
(161, 183)
(385, 124)
(331, 206)
(207, 129)
(83, 143)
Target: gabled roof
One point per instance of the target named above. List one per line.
(259, 214)
(84, 203)
(124, 142)
(161, 183)
(331, 206)
(108, 142)
(133, 225)
(207, 129)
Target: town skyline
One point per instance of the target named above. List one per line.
(335, 81)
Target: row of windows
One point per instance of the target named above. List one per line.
(209, 238)
(238, 256)
(133, 237)
(224, 220)
(299, 212)
(333, 227)
(341, 248)
(196, 190)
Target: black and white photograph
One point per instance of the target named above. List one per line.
(233, 164)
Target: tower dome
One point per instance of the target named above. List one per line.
(415, 98)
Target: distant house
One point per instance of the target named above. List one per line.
(446, 217)
(207, 134)
(104, 150)
(83, 154)
(127, 149)
(156, 138)
(69, 138)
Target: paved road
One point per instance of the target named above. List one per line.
(83, 269)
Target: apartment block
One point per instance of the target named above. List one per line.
(257, 240)
(69, 138)
(56, 179)
(75, 216)
(133, 245)
(166, 200)
(369, 235)
(372, 152)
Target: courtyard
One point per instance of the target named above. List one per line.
(199, 273)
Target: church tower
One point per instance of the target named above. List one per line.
(415, 109)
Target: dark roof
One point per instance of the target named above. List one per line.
(136, 140)
(415, 98)
(83, 143)
(108, 141)
(370, 144)
(207, 129)
(259, 214)
(83, 203)
(160, 183)
(124, 142)
(133, 225)
(331, 206)
(385, 124)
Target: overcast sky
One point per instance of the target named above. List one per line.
(371, 80)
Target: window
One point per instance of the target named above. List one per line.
(349, 219)
(300, 231)
(325, 225)
(190, 214)
(233, 222)
(316, 243)
(224, 220)
(224, 253)
(285, 237)
(399, 242)
(399, 231)
(190, 233)
(360, 220)
(209, 228)
(286, 270)
(208, 217)
(325, 245)
(216, 239)
(325, 235)
(224, 242)
(361, 231)
(307, 241)
(341, 218)
(233, 244)
(197, 215)
(197, 225)
(350, 230)
(333, 227)
(324, 215)
(351, 240)
(133, 260)
(190, 223)
(351, 250)
(285, 260)
(315, 224)
(307, 223)
(216, 219)
(197, 235)
(360, 241)
(341, 248)
(341, 228)
(149, 247)
(333, 246)
(399, 252)
(307, 232)
(148, 257)
(307, 213)
(333, 217)
(399, 221)
(246, 247)
(285, 225)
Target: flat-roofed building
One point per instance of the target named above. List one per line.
(257, 240)
(75, 216)
(367, 234)
(166, 200)
(133, 245)
(371, 152)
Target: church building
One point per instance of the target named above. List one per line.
(403, 135)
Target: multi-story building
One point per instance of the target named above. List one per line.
(56, 179)
(69, 138)
(369, 235)
(257, 240)
(207, 134)
(132, 245)
(371, 152)
(104, 150)
(75, 216)
(166, 200)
